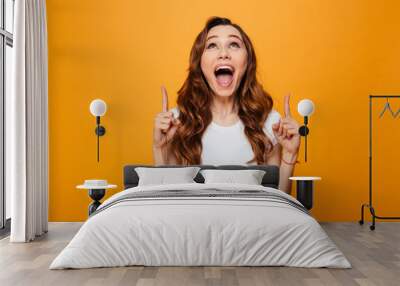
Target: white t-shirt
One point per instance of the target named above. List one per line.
(228, 145)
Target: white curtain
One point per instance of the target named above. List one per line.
(27, 124)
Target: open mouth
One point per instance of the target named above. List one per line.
(224, 75)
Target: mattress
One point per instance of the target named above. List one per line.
(201, 225)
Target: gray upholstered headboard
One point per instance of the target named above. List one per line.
(271, 177)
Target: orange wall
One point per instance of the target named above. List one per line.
(333, 52)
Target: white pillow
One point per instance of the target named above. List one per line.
(162, 176)
(249, 177)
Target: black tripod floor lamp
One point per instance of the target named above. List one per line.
(370, 205)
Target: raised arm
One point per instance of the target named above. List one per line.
(285, 155)
(165, 126)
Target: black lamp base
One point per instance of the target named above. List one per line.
(100, 130)
(303, 130)
(305, 193)
(96, 195)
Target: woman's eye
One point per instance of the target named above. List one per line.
(210, 45)
(234, 44)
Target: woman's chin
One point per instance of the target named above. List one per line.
(224, 91)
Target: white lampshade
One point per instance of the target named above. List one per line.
(305, 107)
(98, 107)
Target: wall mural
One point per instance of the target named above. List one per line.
(223, 115)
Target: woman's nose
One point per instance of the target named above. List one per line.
(224, 54)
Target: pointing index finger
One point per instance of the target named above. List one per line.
(164, 99)
(287, 106)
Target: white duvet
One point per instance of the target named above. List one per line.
(200, 231)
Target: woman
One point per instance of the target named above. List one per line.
(223, 114)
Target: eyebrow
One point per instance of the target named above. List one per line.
(234, 36)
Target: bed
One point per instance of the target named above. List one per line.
(198, 224)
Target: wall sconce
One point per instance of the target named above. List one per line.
(98, 108)
(305, 109)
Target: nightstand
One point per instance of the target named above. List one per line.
(305, 190)
(97, 190)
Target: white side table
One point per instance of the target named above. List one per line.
(96, 193)
(305, 190)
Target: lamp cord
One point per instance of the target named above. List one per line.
(305, 149)
(98, 143)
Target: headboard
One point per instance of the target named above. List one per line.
(270, 179)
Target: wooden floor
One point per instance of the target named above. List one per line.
(375, 257)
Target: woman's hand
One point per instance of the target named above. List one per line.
(287, 131)
(165, 124)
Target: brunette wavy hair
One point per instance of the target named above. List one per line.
(195, 97)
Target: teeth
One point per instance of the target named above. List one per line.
(224, 67)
